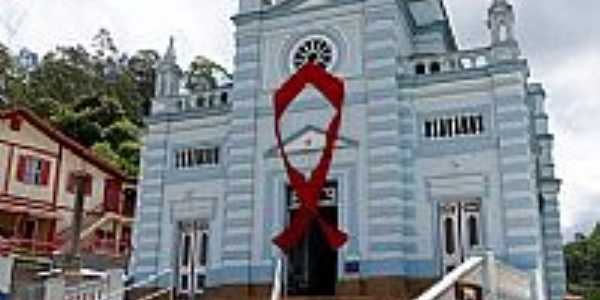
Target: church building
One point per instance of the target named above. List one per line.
(441, 152)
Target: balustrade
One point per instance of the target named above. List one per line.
(215, 99)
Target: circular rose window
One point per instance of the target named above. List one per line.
(316, 48)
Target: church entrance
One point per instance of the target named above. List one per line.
(460, 232)
(312, 265)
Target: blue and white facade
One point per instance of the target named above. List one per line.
(440, 149)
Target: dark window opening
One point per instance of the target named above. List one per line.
(187, 243)
(204, 249)
(450, 239)
(428, 129)
(184, 282)
(224, 98)
(200, 282)
(420, 69)
(435, 67)
(473, 234)
(200, 101)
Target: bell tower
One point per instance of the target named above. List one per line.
(168, 73)
(501, 21)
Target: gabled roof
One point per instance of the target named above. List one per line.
(62, 139)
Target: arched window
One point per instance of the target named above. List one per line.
(450, 238)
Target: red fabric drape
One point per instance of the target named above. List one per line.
(112, 193)
(308, 190)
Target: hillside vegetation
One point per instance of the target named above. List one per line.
(97, 95)
(583, 265)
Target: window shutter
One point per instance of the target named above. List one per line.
(21, 165)
(87, 185)
(45, 172)
(112, 192)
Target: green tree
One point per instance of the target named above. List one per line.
(204, 74)
(97, 95)
(583, 265)
(141, 68)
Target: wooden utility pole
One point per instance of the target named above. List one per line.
(73, 259)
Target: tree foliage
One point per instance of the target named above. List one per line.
(98, 96)
(204, 74)
(583, 265)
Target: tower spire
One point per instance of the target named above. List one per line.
(170, 54)
(168, 73)
(501, 23)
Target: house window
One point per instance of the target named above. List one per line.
(196, 157)
(87, 184)
(32, 170)
(449, 127)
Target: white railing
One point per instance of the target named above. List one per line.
(277, 280)
(482, 274)
(448, 283)
(108, 288)
(118, 295)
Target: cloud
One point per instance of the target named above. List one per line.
(204, 29)
(561, 40)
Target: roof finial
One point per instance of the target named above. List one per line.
(170, 54)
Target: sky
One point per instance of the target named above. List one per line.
(560, 39)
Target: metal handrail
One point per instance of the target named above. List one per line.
(277, 280)
(452, 278)
(156, 294)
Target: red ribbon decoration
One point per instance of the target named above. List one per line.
(308, 191)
